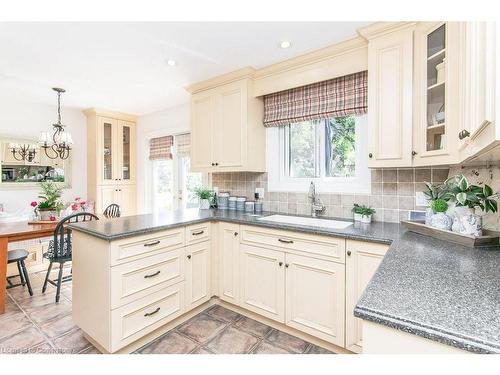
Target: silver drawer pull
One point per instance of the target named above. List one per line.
(198, 233)
(152, 243)
(153, 312)
(285, 241)
(152, 275)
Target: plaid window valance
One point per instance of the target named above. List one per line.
(161, 148)
(183, 144)
(337, 97)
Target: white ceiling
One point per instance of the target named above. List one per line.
(121, 66)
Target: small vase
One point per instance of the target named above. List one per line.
(204, 204)
(440, 221)
(428, 214)
(366, 219)
(357, 217)
(467, 222)
(45, 215)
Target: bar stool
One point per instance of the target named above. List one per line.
(18, 256)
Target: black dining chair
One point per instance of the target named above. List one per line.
(113, 210)
(60, 249)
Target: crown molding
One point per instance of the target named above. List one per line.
(377, 29)
(111, 114)
(236, 75)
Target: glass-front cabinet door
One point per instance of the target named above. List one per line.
(437, 92)
(126, 144)
(107, 150)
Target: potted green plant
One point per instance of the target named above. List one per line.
(366, 214)
(434, 192)
(468, 198)
(439, 219)
(356, 210)
(50, 203)
(204, 195)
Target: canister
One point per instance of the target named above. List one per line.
(231, 203)
(249, 206)
(258, 207)
(240, 203)
(223, 200)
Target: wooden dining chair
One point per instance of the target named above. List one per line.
(113, 210)
(60, 249)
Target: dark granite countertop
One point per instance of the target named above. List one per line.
(432, 288)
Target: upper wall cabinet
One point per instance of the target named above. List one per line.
(390, 64)
(227, 133)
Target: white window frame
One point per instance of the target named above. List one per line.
(280, 181)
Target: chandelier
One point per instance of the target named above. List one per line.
(59, 145)
(22, 152)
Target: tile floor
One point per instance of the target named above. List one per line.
(38, 325)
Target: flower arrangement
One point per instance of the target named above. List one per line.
(204, 194)
(79, 204)
(50, 203)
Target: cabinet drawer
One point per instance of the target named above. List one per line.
(300, 242)
(132, 249)
(136, 279)
(197, 233)
(143, 316)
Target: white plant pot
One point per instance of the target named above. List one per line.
(357, 217)
(204, 204)
(441, 221)
(366, 219)
(465, 221)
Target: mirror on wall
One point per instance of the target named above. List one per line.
(23, 161)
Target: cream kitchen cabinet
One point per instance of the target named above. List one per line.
(197, 274)
(227, 133)
(263, 281)
(315, 292)
(111, 175)
(362, 260)
(229, 262)
(390, 65)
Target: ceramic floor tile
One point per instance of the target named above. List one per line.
(252, 326)
(314, 349)
(288, 342)
(202, 328)
(58, 326)
(268, 348)
(73, 342)
(222, 313)
(49, 311)
(171, 343)
(232, 341)
(91, 350)
(12, 323)
(201, 350)
(22, 340)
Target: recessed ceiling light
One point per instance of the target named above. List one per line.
(171, 62)
(285, 44)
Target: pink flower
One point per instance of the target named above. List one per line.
(34, 204)
(77, 199)
(74, 206)
(83, 203)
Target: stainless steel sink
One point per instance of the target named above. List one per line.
(309, 221)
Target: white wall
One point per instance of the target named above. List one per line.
(20, 118)
(170, 121)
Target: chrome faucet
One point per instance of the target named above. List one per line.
(317, 205)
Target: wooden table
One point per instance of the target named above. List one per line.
(12, 232)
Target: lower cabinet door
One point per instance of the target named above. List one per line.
(229, 262)
(315, 297)
(197, 274)
(362, 260)
(263, 281)
(127, 199)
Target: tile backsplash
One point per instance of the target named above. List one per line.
(392, 193)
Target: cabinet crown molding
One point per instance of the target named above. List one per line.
(236, 75)
(378, 29)
(111, 114)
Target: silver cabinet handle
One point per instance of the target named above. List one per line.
(152, 275)
(152, 312)
(152, 243)
(463, 134)
(285, 241)
(198, 233)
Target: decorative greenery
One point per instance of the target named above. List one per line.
(472, 196)
(436, 191)
(203, 192)
(367, 211)
(439, 205)
(50, 197)
(357, 209)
